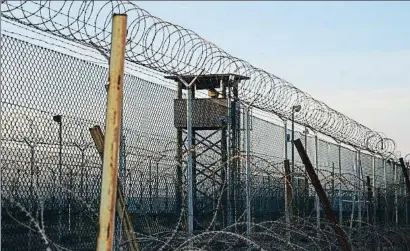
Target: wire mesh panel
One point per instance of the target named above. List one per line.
(349, 161)
(59, 170)
(267, 139)
(324, 169)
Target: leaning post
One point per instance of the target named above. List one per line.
(112, 133)
(340, 234)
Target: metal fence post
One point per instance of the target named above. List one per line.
(33, 193)
(60, 172)
(405, 176)
(178, 183)
(228, 163)
(354, 158)
(317, 171)
(288, 195)
(285, 128)
(59, 120)
(385, 190)
(248, 174)
(358, 171)
(190, 172)
(112, 131)
(396, 208)
(405, 171)
(374, 189)
(288, 187)
(333, 185)
(190, 162)
(340, 186)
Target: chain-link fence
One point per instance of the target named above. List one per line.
(51, 171)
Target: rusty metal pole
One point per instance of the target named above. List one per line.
(112, 131)
(341, 236)
(306, 181)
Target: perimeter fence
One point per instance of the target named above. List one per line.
(51, 170)
(62, 188)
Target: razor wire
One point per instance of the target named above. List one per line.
(172, 49)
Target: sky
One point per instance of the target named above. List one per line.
(354, 56)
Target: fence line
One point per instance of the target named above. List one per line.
(38, 83)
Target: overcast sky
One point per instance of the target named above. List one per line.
(355, 56)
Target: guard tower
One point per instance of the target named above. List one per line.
(215, 143)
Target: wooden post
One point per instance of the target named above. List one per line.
(341, 236)
(122, 211)
(112, 133)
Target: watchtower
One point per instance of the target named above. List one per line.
(215, 145)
